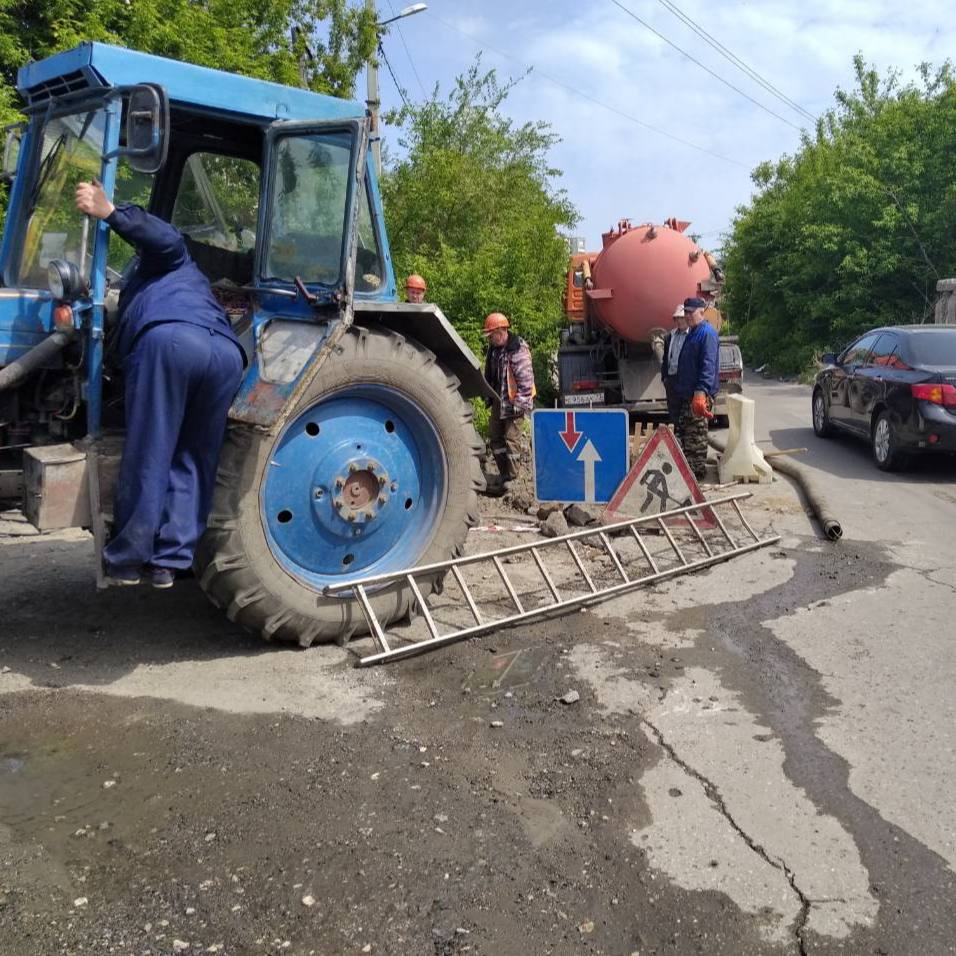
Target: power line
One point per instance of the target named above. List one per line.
(391, 73)
(734, 59)
(705, 68)
(585, 96)
(411, 61)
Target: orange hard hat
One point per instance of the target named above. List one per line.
(415, 281)
(496, 320)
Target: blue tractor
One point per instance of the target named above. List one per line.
(351, 449)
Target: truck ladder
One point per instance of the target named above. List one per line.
(656, 559)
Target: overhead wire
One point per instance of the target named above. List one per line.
(732, 57)
(481, 44)
(703, 66)
(391, 73)
(411, 61)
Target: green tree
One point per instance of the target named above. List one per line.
(472, 205)
(854, 229)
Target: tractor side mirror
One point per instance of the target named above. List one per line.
(11, 151)
(147, 128)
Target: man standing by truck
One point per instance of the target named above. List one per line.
(673, 344)
(509, 372)
(696, 384)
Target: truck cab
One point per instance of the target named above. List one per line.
(281, 211)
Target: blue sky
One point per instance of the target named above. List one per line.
(613, 167)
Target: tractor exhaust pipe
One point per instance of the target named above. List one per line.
(18, 370)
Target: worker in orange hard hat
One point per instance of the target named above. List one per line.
(415, 287)
(509, 372)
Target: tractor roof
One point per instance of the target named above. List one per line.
(99, 66)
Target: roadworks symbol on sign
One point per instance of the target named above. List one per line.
(660, 480)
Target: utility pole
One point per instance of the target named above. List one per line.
(372, 100)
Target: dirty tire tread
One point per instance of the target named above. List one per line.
(234, 565)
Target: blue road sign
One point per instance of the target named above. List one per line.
(579, 455)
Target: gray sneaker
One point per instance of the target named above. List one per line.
(122, 577)
(162, 578)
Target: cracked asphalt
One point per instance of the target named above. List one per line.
(761, 759)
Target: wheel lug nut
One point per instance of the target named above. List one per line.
(352, 468)
(382, 499)
(338, 502)
(350, 516)
(370, 466)
(381, 479)
(339, 482)
(369, 515)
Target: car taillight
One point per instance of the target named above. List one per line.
(730, 375)
(938, 394)
(584, 385)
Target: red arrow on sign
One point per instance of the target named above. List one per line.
(569, 436)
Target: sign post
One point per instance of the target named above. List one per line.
(579, 456)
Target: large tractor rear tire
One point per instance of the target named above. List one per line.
(377, 469)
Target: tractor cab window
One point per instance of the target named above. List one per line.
(217, 207)
(131, 187)
(70, 152)
(309, 199)
(368, 258)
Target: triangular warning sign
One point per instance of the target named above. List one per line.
(660, 480)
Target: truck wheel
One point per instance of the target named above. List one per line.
(376, 470)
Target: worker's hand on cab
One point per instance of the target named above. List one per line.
(698, 406)
(91, 200)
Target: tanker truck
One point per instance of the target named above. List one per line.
(350, 447)
(619, 304)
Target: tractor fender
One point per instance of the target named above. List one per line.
(427, 325)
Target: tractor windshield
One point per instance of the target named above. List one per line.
(71, 151)
(309, 201)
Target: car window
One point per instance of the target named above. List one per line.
(856, 354)
(932, 347)
(886, 352)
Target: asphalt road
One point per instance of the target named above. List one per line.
(761, 759)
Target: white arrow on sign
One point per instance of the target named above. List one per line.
(589, 455)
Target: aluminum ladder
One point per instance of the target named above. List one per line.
(699, 527)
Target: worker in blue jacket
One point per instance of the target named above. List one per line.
(696, 384)
(182, 364)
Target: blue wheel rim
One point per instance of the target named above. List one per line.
(355, 486)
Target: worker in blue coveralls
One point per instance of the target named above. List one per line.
(182, 365)
(696, 384)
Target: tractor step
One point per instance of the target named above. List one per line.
(649, 549)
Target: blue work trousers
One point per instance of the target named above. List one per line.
(180, 382)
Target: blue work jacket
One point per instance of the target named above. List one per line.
(167, 285)
(698, 369)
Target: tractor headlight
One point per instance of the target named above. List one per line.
(64, 280)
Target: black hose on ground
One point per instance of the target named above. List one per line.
(809, 485)
(14, 373)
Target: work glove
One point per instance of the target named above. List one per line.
(698, 406)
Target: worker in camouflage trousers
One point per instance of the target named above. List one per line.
(696, 384)
(509, 372)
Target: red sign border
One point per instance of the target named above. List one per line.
(665, 435)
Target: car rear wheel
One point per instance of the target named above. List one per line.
(885, 443)
(821, 417)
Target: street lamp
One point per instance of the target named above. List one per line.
(371, 76)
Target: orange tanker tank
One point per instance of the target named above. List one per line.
(642, 273)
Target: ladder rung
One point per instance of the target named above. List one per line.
(723, 528)
(670, 537)
(620, 568)
(507, 583)
(545, 575)
(459, 577)
(371, 619)
(743, 520)
(700, 537)
(643, 547)
(422, 606)
(581, 568)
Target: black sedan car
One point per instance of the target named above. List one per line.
(895, 387)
